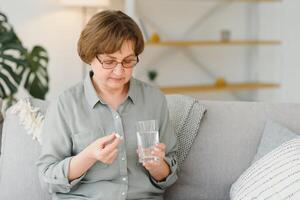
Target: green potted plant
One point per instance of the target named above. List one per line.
(20, 67)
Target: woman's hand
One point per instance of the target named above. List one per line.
(158, 169)
(104, 149)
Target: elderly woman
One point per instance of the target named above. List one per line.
(89, 148)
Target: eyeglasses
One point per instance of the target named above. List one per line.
(126, 63)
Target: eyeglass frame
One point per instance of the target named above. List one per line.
(101, 62)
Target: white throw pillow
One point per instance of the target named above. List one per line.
(276, 176)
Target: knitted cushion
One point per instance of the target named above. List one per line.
(185, 114)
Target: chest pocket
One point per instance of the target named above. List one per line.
(84, 138)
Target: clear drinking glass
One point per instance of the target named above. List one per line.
(147, 137)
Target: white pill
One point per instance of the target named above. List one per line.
(118, 136)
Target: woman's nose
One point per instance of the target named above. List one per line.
(118, 70)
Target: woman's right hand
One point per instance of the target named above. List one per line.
(104, 149)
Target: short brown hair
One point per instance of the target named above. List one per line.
(105, 33)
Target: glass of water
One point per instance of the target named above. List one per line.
(147, 138)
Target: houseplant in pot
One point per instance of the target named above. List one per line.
(20, 68)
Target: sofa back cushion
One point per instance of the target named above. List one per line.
(273, 136)
(18, 173)
(225, 146)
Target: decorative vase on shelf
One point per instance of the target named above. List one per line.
(21, 68)
(154, 38)
(225, 35)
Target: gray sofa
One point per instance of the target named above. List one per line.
(226, 143)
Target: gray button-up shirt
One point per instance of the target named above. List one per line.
(79, 117)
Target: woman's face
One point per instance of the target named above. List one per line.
(117, 77)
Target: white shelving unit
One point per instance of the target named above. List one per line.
(184, 44)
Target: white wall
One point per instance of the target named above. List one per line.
(171, 19)
(50, 24)
(291, 52)
(55, 27)
(289, 73)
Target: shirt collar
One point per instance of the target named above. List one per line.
(132, 92)
(91, 94)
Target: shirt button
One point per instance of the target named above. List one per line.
(117, 116)
(123, 193)
(123, 158)
(124, 179)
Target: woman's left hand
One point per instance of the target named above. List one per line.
(158, 169)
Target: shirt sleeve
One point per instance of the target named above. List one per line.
(168, 137)
(53, 163)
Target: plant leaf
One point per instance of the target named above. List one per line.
(37, 79)
(18, 64)
(11, 57)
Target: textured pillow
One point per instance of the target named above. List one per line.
(185, 114)
(29, 117)
(274, 176)
(273, 136)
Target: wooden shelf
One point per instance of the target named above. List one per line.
(214, 88)
(215, 42)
